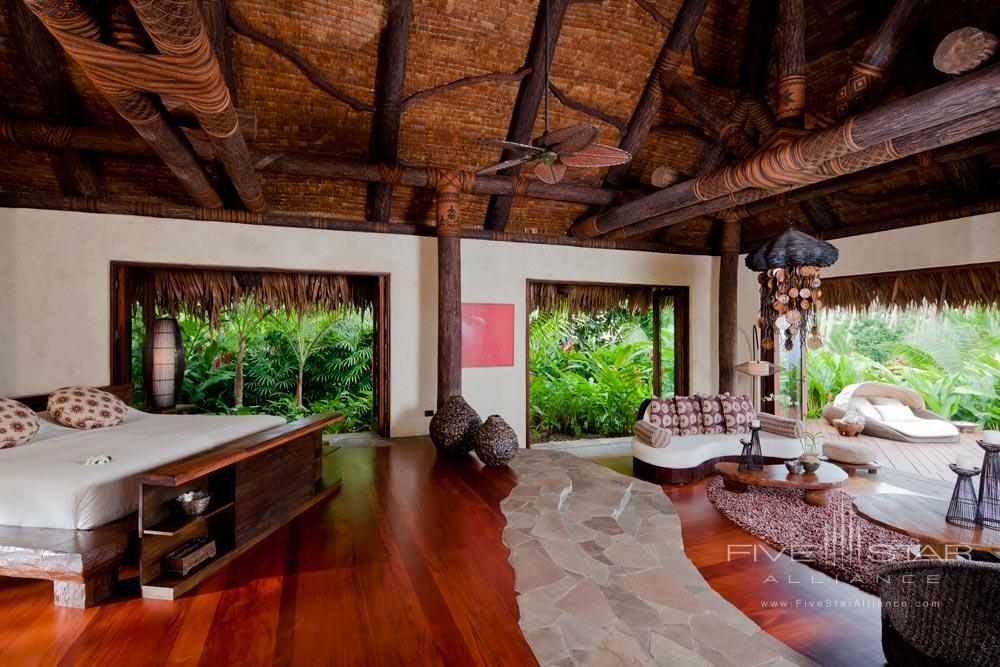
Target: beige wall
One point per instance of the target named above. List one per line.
(55, 285)
(953, 242)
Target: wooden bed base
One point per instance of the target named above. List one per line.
(83, 565)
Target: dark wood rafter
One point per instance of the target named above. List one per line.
(214, 13)
(658, 16)
(602, 116)
(790, 52)
(820, 215)
(871, 71)
(501, 77)
(240, 25)
(674, 47)
(41, 53)
(390, 74)
(863, 141)
(529, 98)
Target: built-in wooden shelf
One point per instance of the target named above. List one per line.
(182, 523)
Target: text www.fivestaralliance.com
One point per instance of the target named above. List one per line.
(841, 604)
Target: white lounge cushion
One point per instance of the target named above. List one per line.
(924, 428)
(884, 400)
(896, 413)
(864, 406)
(690, 451)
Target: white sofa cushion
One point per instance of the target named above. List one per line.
(924, 428)
(896, 413)
(690, 451)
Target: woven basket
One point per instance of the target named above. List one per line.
(495, 442)
(453, 427)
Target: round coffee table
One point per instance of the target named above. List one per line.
(922, 518)
(814, 484)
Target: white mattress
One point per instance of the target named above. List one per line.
(45, 484)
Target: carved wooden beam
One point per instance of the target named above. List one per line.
(802, 161)
(872, 69)
(529, 98)
(214, 13)
(791, 55)
(728, 129)
(669, 58)
(61, 104)
(384, 145)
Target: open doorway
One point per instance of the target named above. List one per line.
(262, 341)
(596, 351)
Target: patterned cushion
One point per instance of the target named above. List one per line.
(86, 408)
(738, 412)
(778, 425)
(663, 414)
(712, 420)
(688, 415)
(18, 423)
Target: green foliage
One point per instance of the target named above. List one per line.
(950, 357)
(333, 351)
(590, 373)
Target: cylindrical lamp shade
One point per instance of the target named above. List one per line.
(163, 364)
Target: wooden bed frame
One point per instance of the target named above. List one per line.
(84, 564)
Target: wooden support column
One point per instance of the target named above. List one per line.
(729, 270)
(384, 144)
(450, 186)
(791, 53)
(674, 48)
(529, 97)
(214, 12)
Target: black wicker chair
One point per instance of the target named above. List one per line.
(955, 621)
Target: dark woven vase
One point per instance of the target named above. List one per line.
(495, 442)
(453, 426)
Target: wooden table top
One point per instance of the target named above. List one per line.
(922, 518)
(828, 476)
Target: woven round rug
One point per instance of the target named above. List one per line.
(831, 539)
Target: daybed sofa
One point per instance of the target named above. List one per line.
(891, 412)
(688, 458)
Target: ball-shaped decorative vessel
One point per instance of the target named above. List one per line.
(495, 442)
(453, 426)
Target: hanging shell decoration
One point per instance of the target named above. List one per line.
(790, 286)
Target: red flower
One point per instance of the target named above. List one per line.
(227, 358)
(218, 362)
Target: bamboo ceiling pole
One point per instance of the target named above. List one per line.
(791, 164)
(450, 185)
(729, 270)
(78, 33)
(669, 58)
(880, 55)
(791, 56)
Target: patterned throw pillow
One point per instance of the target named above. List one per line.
(738, 413)
(18, 423)
(688, 415)
(711, 413)
(86, 408)
(663, 414)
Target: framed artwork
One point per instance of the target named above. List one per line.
(487, 334)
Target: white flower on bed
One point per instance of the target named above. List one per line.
(98, 460)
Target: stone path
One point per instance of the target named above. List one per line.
(602, 576)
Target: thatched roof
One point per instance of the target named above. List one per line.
(976, 284)
(604, 55)
(588, 299)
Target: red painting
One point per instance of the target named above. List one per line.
(487, 334)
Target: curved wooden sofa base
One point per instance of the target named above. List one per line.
(660, 475)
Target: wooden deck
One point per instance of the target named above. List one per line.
(925, 459)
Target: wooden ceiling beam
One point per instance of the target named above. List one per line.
(217, 26)
(790, 49)
(61, 103)
(529, 98)
(866, 137)
(651, 99)
(390, 74)
(820, 215)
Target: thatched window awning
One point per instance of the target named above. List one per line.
(957, 286)
(588, 298)
(211, 291)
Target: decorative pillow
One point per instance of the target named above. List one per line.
(86, 408)
(654, 436)
(783, 426)
(18, 423)
(688, 415)
(663, 414)
(738, 413)
(711, 413)
(896, 413)
(883, 400)
(864, 406)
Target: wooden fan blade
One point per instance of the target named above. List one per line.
(550, 173)
(511, 145)
(503, 165)
(596, 155)
(568, 139)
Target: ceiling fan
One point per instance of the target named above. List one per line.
(557, 150)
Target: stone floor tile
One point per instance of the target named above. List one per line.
(586, 601)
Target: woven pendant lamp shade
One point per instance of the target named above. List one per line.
(163, 364)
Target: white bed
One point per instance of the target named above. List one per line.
(45, 484)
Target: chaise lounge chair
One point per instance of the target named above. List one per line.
(891, 412)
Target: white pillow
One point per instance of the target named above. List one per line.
(864, 407)
(884, 400)
(896, 413)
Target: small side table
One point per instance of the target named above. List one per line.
(966, 427)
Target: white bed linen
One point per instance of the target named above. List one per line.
(45, 484)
